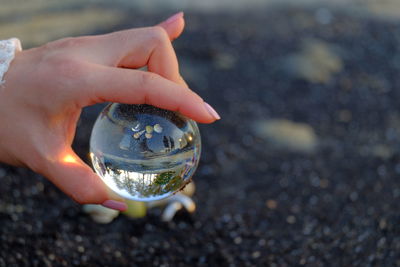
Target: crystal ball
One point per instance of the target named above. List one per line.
(144, 153)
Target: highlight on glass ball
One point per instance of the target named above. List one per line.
(144, 153)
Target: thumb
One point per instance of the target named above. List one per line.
(77, 180)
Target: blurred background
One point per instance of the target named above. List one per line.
(303, 168)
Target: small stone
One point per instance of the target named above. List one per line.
(237, 240)
(78, 238)
(149, 129)
(381, 242)
(100, 214)
(157, 128)
(353, 196)
(382, 151)
(255, 254)
(135, 209)
(148, 135)
(285, 134)
(291, 219)
(138, 134)
(316, 62)
(225, 61)
(324, 183)
(19, 208)
(136, 126)
(382, 224)
(344, 115)
(40, 186)
(262, 242)
(271, 204)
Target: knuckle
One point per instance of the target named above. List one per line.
(147, 79)
(159, 35)
(56, 60)
(68, 42)
(67, 70)
(120, 37)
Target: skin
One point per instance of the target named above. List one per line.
(47, 87)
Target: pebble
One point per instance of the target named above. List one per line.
(285, 134)
(158, 128)
(100, 214)
(291, 219)
(149, 129)
(316, 62)
(271, 204)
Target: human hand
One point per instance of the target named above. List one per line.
(47, 87)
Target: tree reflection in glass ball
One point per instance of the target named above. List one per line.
(142, 152)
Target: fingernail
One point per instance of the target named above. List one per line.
(212, 111)
(174, 17)
(115, 205)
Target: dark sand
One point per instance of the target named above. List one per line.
(334, 203)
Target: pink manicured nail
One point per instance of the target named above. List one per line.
(115, 205)
(212, 111)
(174, 17)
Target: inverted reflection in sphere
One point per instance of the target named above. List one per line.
(142, 152)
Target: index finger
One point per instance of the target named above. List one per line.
(107, 84)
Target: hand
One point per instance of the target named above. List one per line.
(47, 87)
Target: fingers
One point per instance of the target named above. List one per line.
(136, 48)
(163, 61)
(77, 180)
(162, 86)
(174, 25)
(106, 84)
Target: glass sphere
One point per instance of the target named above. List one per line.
(144, 153)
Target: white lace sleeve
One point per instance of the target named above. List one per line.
(7, 53)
